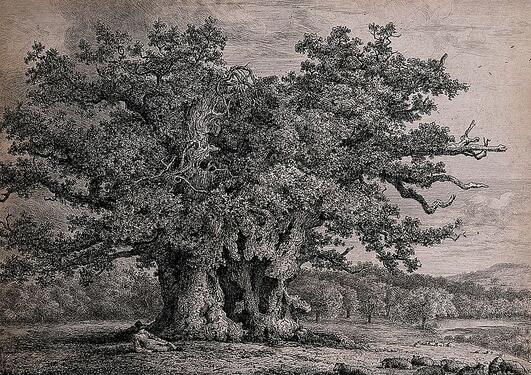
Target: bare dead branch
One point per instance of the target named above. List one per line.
(167, 166)
(347, 251)
(185, 180)
(443, 59)
(467, 131)
(470, 147)
(457, 182)
(455, 237)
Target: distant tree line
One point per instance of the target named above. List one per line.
(399, 296)
(118, 294)
(129, 293)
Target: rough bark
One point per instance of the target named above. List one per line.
(254, 279)
(260, 302)
(244, 297)
(193, 306)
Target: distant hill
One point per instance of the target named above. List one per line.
(508, 275)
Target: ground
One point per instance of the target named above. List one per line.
(85, 348)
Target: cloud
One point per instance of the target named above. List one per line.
(497, 210)
(494, 203)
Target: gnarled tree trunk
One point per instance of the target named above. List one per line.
(259, 301)
(193, 306)
(244, 297)
(254, 280)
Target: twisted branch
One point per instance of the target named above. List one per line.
(471, 147)
(410, 193)
(455, 237)
(166, 168)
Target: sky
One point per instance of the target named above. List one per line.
(488, 44)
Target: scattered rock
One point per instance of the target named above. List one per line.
(430, 370)
(512, 367)
(478, 369)
(398, 363)
(421, 361)
(494, 366)
(344, 369)
(500, 366)
(451, 365)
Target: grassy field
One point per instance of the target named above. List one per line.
(512, 337)
(85, 348)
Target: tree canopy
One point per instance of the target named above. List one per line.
(164, 153)
(426, 304)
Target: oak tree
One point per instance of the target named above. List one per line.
(226, 182)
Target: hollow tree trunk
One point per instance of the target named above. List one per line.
(193, 306)
(255, 277)
(245, 297)
(258, 301)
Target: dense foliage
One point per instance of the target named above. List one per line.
(227, 182)
(325, 298)
(116, 294)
